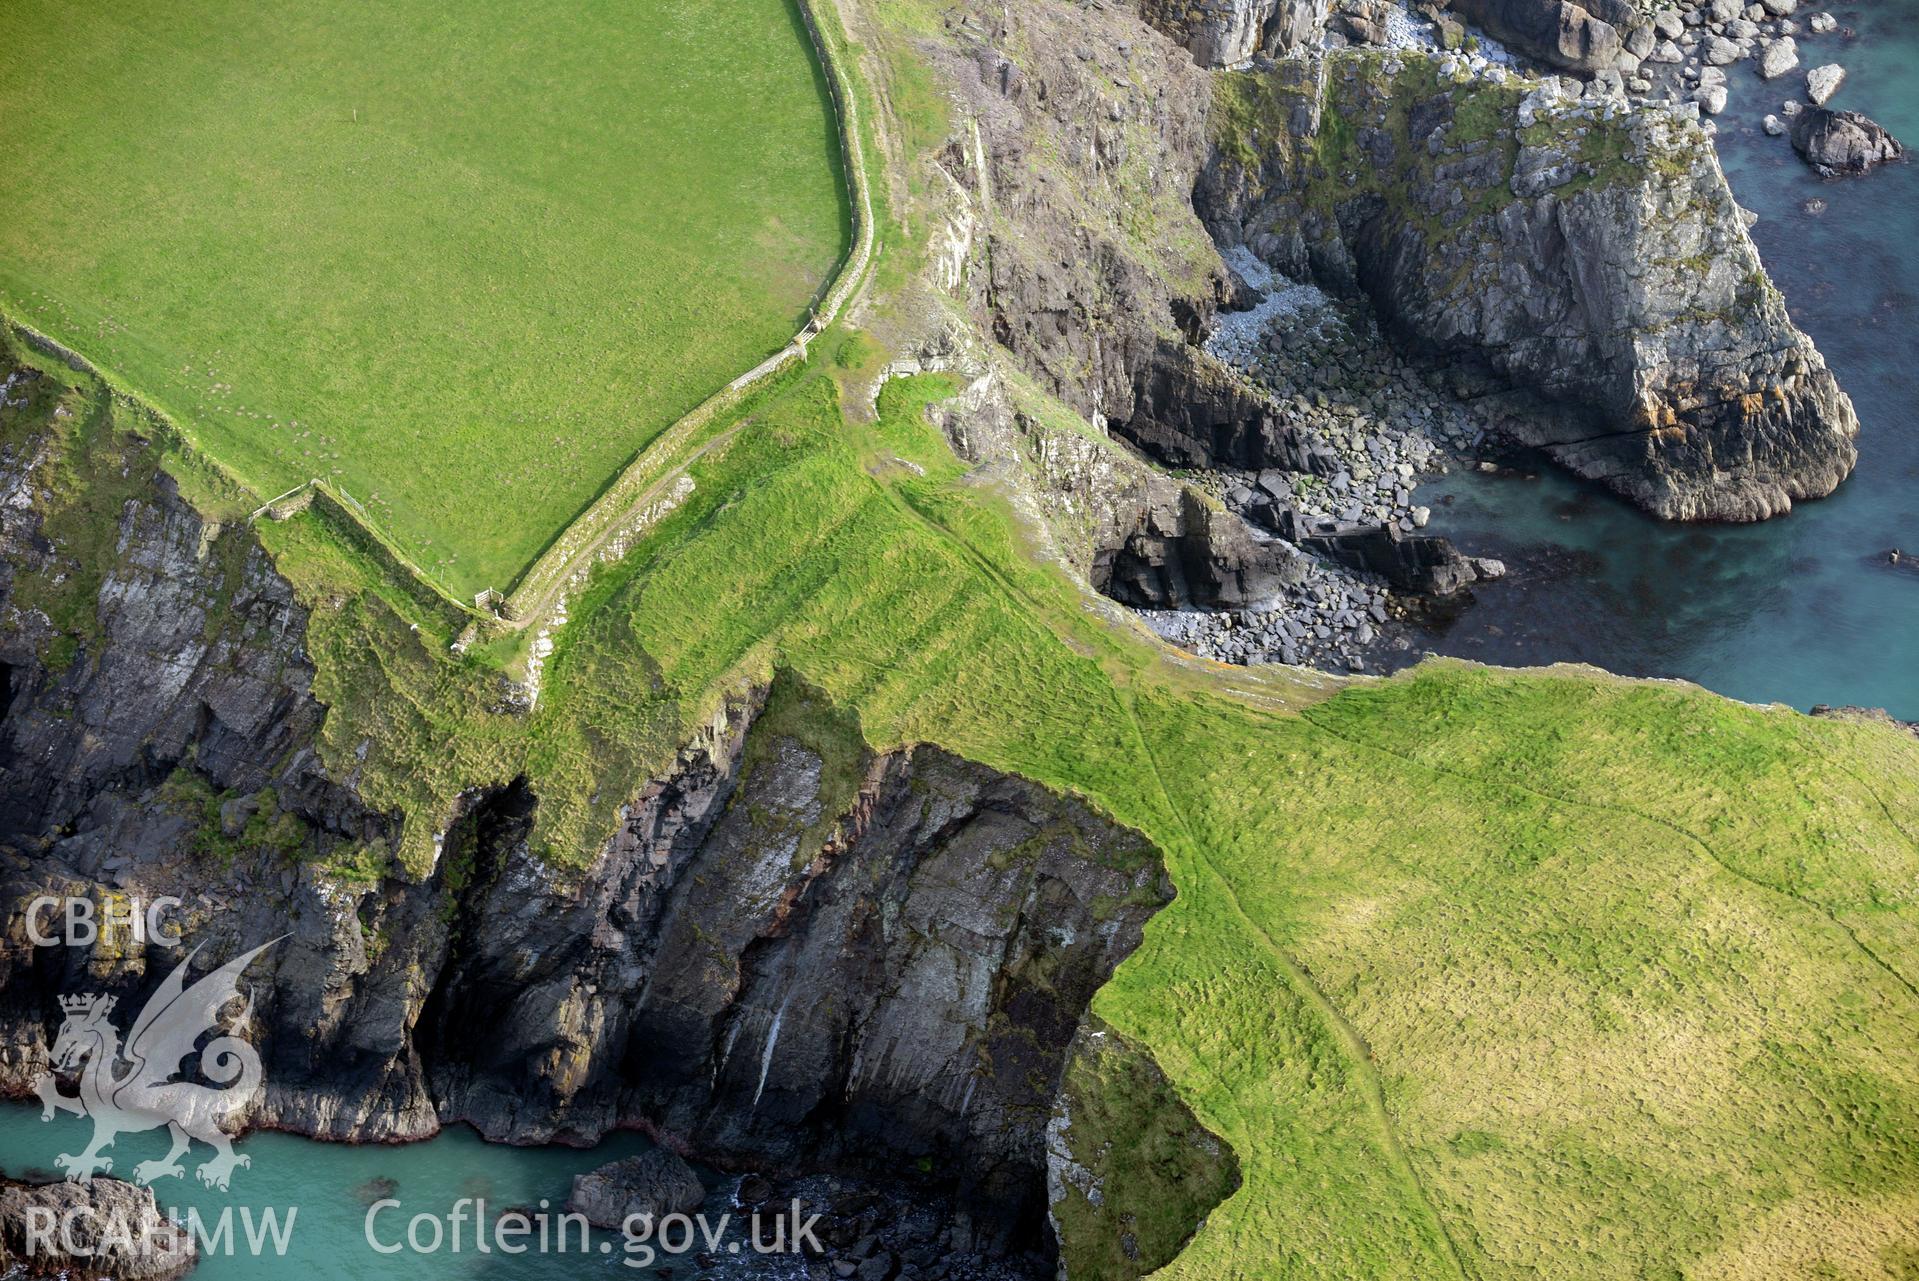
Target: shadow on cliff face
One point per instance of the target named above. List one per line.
(797, 955)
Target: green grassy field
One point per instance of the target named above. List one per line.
(1482, 974)
(462, 260)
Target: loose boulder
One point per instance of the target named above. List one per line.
(1577, 37)
(655, 1184)
(1842, 143)
(1823, 82)
(1781, 56)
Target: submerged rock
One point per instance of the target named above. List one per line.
(1841, 143)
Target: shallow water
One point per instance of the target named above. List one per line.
(1799, 610)
(330, 1188)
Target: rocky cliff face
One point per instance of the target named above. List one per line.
(796, 954)
(1587, 253)
(1586, 37)
(1083, 132)
(1227, 33)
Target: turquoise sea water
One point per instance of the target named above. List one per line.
(331, 1187)
(1799, 610)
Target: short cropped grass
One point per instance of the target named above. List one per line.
(1481, 974)
(463, 260)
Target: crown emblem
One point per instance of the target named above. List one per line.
(86, 1004)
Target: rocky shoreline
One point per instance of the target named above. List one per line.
(1387, 421)
(1387, 426)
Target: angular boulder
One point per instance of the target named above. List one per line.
(654, 1185)
(1781, 56)
(1842, 143)
(1823, 82)
(1578, 37)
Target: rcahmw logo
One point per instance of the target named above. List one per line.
(147, 1093)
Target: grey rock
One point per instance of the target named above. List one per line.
(653, 1185)
(1690, 393)
(1225, 33)
(1781, 56)
(1823, 82)
(1840, 143)
(117, 1227)
(1576, 37)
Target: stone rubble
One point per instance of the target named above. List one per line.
(1331, 372)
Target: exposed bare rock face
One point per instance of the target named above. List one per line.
(1592, 263)
(1083, 132)
(106, 1229)
(1599, 267)
(1587, 36)
(796, 955)
(1227, 33)
(1193, 554)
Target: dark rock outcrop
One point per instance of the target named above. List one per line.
(1585, 37)
(651, 1185)
(106, 1229)
(795, 955)
(1424, 564)
(1590, 258)
(1842, 143)
(1193, 554)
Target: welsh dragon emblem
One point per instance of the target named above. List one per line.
(126, 1089)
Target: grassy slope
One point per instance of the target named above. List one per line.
(1480, 973)
(464, 260)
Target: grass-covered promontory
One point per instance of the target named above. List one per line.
(463, 260)
(1480, 974)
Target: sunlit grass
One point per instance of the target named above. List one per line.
(463, 260)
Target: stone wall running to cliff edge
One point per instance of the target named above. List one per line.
(796, 954)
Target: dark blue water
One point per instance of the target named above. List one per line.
(1799, 610)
